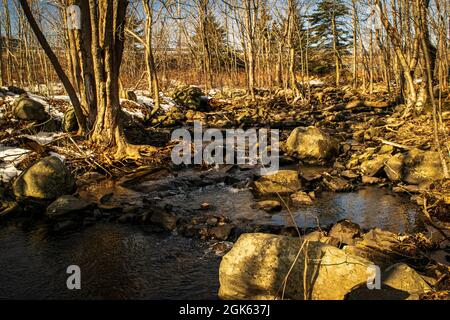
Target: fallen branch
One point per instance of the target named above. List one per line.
(394, 144)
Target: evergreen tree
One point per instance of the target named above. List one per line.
(329, 35)
(216, 37)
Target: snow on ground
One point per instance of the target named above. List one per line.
(9, 158)
(134, 113)
(63, 98)
(145, 100)
(165, 102)
(316, 82)
(9, 154)
(44, 138)
(8, 172)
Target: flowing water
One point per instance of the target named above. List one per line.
(116, 262)
(123, 261)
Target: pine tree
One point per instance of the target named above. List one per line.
(216, 37)
(329, 36)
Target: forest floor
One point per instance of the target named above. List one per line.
(364, 127)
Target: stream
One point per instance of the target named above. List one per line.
(123, 261)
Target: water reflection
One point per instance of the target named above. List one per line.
(116, 261)
(369, 207)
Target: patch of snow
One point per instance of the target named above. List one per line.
(9, 157)
(63, 98)
(316, 82)
(38, 98)
(44, 137)
(166, 107)
(134, 113)
(57, 155)
(9, 154)
(145, 100)
(8, 172)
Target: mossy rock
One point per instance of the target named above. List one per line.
(70, 122)
(47, 179)
(28, 109)
(16, 90)
(189, 97)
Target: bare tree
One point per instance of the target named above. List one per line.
(55, 62)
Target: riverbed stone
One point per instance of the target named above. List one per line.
(311, 145)
(25, 108)
(167, 220)
(415, 167)
(345, 231)
(373, 166)
(370, 180)
(393, 167)
(336, 184)
(301, 198)
(268, 205)
(47, 179)
(221, 232)
(257, 264)
(281, 182)
(380, 240)
(64, 206)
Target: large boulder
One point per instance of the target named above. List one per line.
(311, 145)
(422, 166)
(258, 263)
(398, 282)
(415, 167)
(28, 109)
(70, 122)
(281, 182)
(47, 179)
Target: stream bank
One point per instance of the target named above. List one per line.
(359, 176)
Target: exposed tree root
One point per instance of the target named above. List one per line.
(126, 151)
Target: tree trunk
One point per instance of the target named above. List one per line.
(149, 57)
(56, 65)
(337, 58)
(2, 80)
